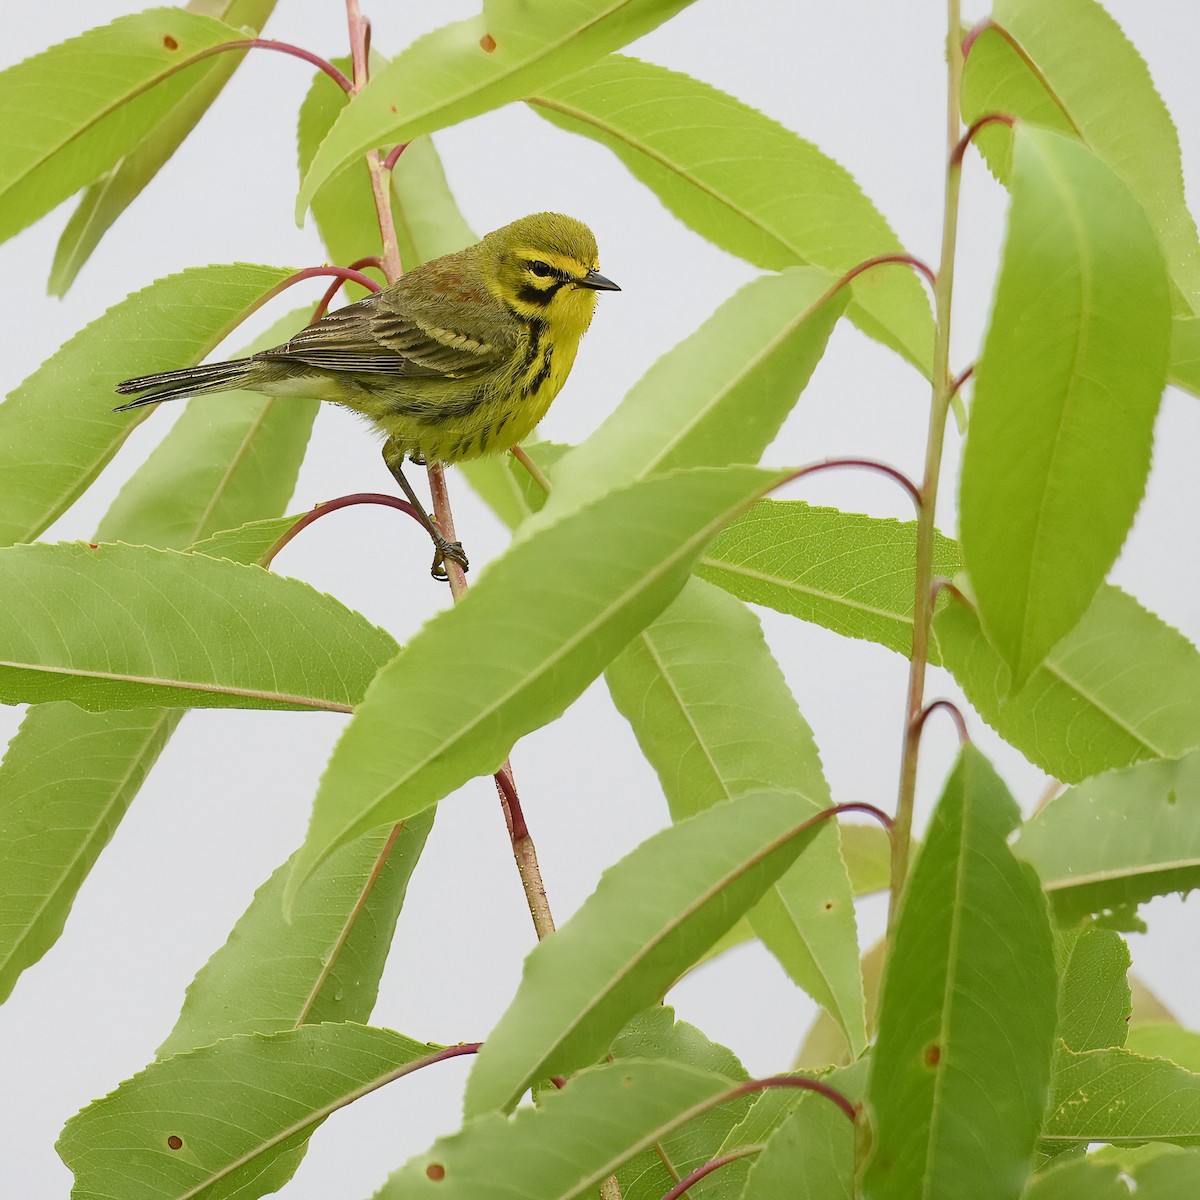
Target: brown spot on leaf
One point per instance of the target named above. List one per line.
(487, 43)
(933, 1055)
(175, 1142)
(170, 43)
(436, 1172)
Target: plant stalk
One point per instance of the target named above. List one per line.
(943, 391)
(524, 851)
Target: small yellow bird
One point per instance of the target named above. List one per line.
(458, 359)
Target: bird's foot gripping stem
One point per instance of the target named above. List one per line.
(443, 550)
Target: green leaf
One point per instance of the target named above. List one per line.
(1107, 95)
(825, 1045)
(1094, 1003)
(850, 573)
(428, 221)
(107, 198)
(1118, 1096)
(961, 1067)
(542, 622)
(1080, 1179)
(233, 1107)
(810, 1154)
(1122, 687)
(510, 50)
(651, 916)
(718, 397)
(249, 543)
(1115, 841)
(746, 183)
(57, 139)
(655, 1034)
(1080, 326)
(604, 1118)
(714, 716)
(1161, 1172)
(1184, 368)
(866, 850)
(125, 626)
(57, 430)
(322, 965)
(68, 776)
(65, 783)
(1165, 1039)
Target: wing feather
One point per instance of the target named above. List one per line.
(394, 333)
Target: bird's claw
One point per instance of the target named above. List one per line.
(447, 550)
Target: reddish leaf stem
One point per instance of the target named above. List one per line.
(863, 807)
(283, 48)
(535, 472)
(867, 464)
(956, 716)
(881, 260)
(394, 156)
(956, 155)
(793, 1081)
(959, 380)
(372, 260)
(708, 1168)
(328, 506)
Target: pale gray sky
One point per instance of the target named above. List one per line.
(230, 798)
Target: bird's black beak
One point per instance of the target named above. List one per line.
(597, 282)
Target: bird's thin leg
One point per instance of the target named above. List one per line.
(442, 549)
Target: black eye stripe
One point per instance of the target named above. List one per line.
(543, 270)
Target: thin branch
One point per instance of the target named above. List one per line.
(326, 507)
(939, 409)
(709, 1167)
(524, 851)
(941, 584)
(863, 807)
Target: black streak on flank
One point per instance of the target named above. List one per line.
(542, 375)
(541, 296)
(535, 344)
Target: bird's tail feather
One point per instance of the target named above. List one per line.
(191, 381)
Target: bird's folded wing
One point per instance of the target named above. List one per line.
(371, 337)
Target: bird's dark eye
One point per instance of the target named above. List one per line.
(541, 269)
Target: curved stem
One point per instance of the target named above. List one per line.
(371, 260)
(709, 1167)
(956, 716)
(283, 48)
(938, 410)
(870, 809)
(328, 506)
(967, 138)
(394, 156)
(880, 260)
(866, 464)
